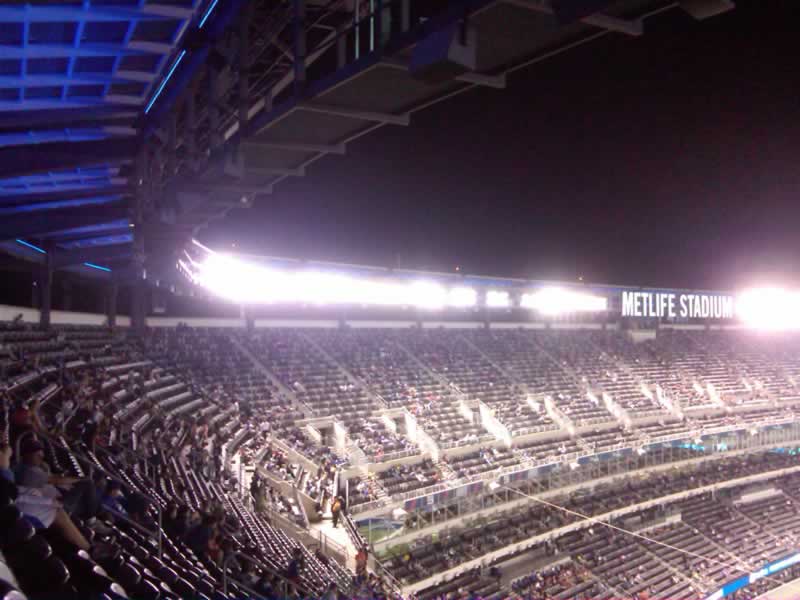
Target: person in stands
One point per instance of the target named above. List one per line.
(295, 567)
(361, 562)
(43, 512)
(336, 510)
(114, 499)
(200, 535)
(78, 496)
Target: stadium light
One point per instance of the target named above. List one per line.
(426, 294)
(239, 281)
(462, 297)
(557, 301)
(495, 299)
(769, 308)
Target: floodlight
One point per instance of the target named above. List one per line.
(769, 308)
(462, 297)
(557, 301)
(426, 294)
(495, 299)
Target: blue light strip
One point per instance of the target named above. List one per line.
(98, 267)
(208, 14)
(31, 246)
(164, 82)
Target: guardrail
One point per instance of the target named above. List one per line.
(158, 534)
(562, 459)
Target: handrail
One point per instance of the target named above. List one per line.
(80, 456)
(286, 585)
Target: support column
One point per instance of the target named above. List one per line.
(244, 69)
(66, 289)
(138, 282)
(138, 303)
(46, 289)
(112, 291)
(299, 46)
(249, 321)
(213, 108)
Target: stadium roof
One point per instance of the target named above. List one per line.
(133, 123)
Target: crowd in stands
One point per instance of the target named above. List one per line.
(482, 536)
(105, 434)
(103, 450)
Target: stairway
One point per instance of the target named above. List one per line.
(379, 402)
(285, 390)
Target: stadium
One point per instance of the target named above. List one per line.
(185, 419)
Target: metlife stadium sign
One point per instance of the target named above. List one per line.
(673, 305)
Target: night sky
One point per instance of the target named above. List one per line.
(666, 160)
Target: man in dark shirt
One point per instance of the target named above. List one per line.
(295, 566)
(198, 536)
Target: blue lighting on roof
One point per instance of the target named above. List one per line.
(98, 267)
(208, 14)
(95, 201)
(164, 82)
(31, 246)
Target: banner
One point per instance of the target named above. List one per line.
(673, 305)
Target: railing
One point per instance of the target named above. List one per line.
(285, 586)
(328, 546)
(374, 458)
(94, 466)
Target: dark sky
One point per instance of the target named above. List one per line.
(669, 160)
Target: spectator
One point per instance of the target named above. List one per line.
(114, 499)
(77, 495)
(295, 567)
(336, 509)
(361, 562)
(43, 512)
(199, 536)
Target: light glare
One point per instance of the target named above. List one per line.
(556, 301)
(495, 299)
(463, 297)
(769, 308)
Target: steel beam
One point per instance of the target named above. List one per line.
(224, 188)
(267, 171)
(609, 23)
(66, 258)
(46, 289)
(17, 81)
(299, 35)
(56, 192)
(112, 291)
(16, 161)
(37, 224)
(101, 115)
(53, 13)
(492, 81)
(87, 49)
(8, 211)
(297, 147)
(353, 113)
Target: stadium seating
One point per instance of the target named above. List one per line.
(170, 414)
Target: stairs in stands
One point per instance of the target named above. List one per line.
(376, 488)
(285, 390)
(379, 402)
(447, 470)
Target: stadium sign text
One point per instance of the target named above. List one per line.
(672, 305)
